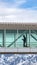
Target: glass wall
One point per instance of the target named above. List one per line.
(18, 38)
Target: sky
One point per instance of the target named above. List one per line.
(18, 11)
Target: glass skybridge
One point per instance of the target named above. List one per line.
(13, 38)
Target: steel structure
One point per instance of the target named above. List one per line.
(11, 35)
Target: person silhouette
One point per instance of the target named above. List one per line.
(24, 41)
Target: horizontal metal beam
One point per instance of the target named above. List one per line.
(18, 50)
(19, 26)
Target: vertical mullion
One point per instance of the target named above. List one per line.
(26, 39)
(17, 37)
(29, 37)
(14, 39)
(4, 32)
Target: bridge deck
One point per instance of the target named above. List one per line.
(18, 50)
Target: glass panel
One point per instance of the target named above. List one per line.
(33, 38)
(10, 37)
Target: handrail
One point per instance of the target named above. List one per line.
(16, 39)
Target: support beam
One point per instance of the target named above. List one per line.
(14, 39)
(29, 37)
(26, 39)
(17, 33)
(4, 32)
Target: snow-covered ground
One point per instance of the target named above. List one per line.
(18, 59)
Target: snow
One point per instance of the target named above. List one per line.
(18, 59)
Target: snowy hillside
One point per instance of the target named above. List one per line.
(18, 59)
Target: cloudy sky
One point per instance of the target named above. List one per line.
(18, 11)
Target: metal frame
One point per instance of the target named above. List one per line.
(19, 26)
(4, 37)
(18, 52)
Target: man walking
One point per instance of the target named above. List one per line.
(24, 41)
